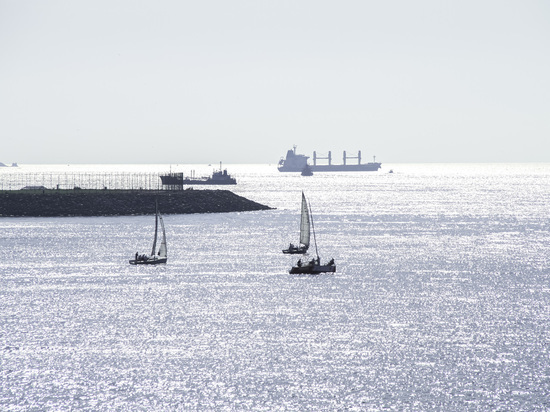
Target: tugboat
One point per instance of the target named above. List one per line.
(220, 177)
(294, 162)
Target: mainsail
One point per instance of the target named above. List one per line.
(153, 253)
(163, 249)
(304, 223)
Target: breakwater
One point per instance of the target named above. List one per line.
(81, 202)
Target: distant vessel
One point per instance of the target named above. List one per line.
(220, 177)
(313, 267)
(297, 162)
(162, 256)
(12, 165)
(304, 232)
(306, 171)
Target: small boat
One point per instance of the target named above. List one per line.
(306, 171)
(162, 255)
(314, 266)
(304, 232)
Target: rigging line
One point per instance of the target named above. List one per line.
(313, 228)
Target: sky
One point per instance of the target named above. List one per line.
(242, 81)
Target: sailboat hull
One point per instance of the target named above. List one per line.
(312, 269)
(153, 261)
(295, 250)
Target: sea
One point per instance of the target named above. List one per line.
(440, 299)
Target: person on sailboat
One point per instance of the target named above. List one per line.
(330, 262)
(299, 263)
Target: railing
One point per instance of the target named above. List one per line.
(81, 180)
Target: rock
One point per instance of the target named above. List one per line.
(121, 202)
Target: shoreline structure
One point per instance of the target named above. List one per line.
(118, 193)
(117, 202)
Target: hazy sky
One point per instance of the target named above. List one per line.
(242, 81)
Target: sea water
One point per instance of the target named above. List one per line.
(441, 299)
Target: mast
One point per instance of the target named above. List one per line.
(163, 249)
(304, 223)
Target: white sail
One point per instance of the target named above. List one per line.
(304, 223)
(156, 232)
(163, 251)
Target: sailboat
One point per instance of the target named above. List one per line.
(162, 255)
(314, 266)
(304, 232)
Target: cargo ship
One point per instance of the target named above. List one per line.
(295, 162)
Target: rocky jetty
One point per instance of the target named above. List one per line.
(80, 202)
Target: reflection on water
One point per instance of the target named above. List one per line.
(440, 299)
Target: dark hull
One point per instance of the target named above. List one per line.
(367, 167)
(171, 180)
(148, 262)
(312, 269)
(208, 182)
(306, 171)
(295, 251)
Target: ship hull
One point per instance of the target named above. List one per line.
(366, 167)
(154, 261)
(203, 182)
(175, 180)
(312, 269)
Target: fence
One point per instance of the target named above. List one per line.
(81, 180)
